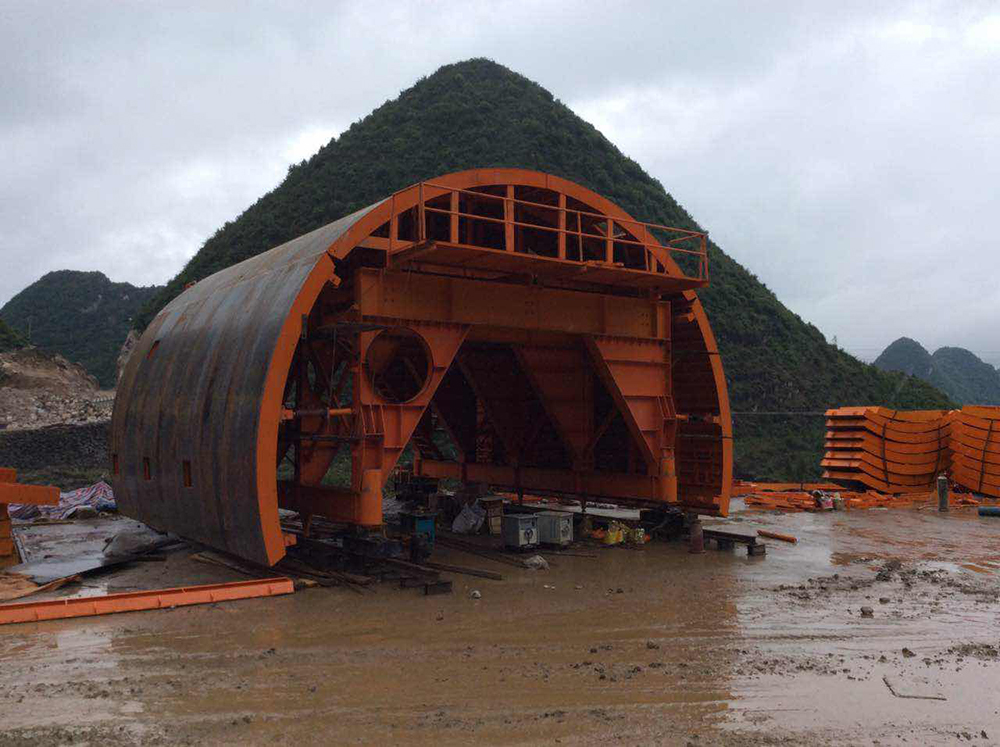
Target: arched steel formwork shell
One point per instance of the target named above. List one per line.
(196, 422)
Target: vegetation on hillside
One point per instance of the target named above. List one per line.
(965, 378)
(9, 338)
(957, 372)
(82, 316)
(479, 114)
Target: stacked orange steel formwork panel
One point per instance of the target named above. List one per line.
(890, 451)
(975, 444)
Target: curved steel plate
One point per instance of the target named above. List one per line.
(193, 391)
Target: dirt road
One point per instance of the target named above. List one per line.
(651, 646)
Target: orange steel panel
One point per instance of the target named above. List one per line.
(875, 423)
(976, 439)
(638, 488)
(903, 473)
(390, 425)
(137, 601)
(38, 495)
(875, 482)
(562, 381)
(395, 294)
(638, 376)
(958, 449)
(975, 464)
(863, 440)
(893, 462)
(8, 475)
(884, 413)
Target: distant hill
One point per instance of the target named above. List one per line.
(957, 372)
(480, 114)
(9, 339)
(82, 316)
(906, 356)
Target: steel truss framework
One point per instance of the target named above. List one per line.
(503, 326)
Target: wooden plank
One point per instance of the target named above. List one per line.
(142, 600)
(776, 535)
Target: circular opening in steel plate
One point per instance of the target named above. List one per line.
(398, 364)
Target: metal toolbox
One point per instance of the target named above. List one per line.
(555, 528)
(520, 531)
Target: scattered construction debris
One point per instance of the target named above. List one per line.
(87, 501)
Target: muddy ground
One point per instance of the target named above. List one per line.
(636, 646)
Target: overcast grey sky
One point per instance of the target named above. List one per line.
(845, 152)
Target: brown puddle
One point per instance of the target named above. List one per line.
(640, 646)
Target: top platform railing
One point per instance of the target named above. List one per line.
(581, 236)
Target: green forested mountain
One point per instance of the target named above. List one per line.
(906, 356)
(957, 372)
(479, 114)
(9, 339)
(82, 316)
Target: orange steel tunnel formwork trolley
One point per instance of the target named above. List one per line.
(509, 327)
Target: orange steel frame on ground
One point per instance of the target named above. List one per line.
(507, 326)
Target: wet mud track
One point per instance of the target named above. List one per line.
(650, 646)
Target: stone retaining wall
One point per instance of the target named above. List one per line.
(83, 446)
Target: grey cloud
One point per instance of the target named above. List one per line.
(844, 152)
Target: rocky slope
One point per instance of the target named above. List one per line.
(82, 316)
(39, 389)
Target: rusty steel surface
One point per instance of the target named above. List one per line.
(194, 391)
(509, 326)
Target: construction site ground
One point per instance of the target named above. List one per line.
(635, 646)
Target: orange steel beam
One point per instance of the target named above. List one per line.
(136, 601)
(639, 488)
(37, 495)
(393, 295)
(560, 379)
